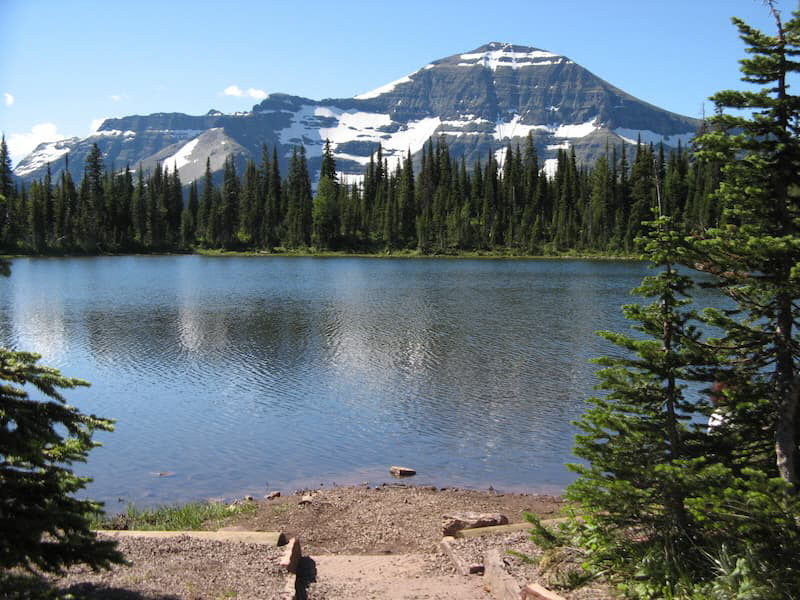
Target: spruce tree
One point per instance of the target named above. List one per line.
(325, 214)
(328, 168)
(645, 459)
(205, 214)
(675, 508)
(43, 525)
(755, 252)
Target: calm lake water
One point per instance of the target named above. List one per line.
(244, 375)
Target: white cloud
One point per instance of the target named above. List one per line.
(95, 124)
(9, 98)
(118, 97)
(22, 144)
(235, 90)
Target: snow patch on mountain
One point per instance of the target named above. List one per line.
(178, 133)
(351, 178)
(310, 125)
(651, 137)
(348, 122)
(303, 130)
(514, 128)
(362, 160)
(411, 137)
(465, 120)
(383, 89)
(181, 158)
(44, 153)
(114, 133)
(550, 167)
(576, 131)
(508, 57)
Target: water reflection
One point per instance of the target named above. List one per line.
(236, 372)
(37, 322)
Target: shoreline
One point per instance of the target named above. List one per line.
(306, 485)
(390, 517)
(400, 254)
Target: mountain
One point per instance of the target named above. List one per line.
(480, 101)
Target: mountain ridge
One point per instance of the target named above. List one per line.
(479, 101)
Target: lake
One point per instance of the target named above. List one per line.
(243, 375)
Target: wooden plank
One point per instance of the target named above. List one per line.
(510, 528)
(501, 585)
(290, 588)
(266, 538)
(290, 556)
(461, 567)
(534, 591)
(494, 529)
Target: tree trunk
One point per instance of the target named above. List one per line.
(789, 391)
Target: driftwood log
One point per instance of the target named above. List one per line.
(453, 523)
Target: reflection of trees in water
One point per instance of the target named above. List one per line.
(492, 363)
(363, 357)
(36, 320)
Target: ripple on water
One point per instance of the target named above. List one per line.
(228, 372)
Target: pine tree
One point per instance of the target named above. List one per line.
(755, 252)
(6, 191)
(754, 255)
(44, 526)
(69, 204)
(273, 215)
(193, 206)
(647, 462)
(674, 508)
(229, 210)
(406, 211)
(92, 205)
(139, 209)
(325, 214)
(328, 168)
(204, 212)
(249, 215)
(174, 204)
(189, 217)
(298, 215)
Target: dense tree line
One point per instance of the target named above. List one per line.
(442, 206)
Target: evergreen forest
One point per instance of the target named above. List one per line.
(440, 206)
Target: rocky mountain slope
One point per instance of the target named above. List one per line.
(480, 101)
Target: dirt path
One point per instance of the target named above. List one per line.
(390, 577)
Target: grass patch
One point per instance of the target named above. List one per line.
(180, 517)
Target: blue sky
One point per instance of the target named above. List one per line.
(67, 65)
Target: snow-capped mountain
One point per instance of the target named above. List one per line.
(480, 101)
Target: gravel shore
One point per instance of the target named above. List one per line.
(359, 542)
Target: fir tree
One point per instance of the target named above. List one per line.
(205, 212)
(676, 509)
(644, 458)
(325, 214)
(328, 168)
(755, 252)
(44, 526)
